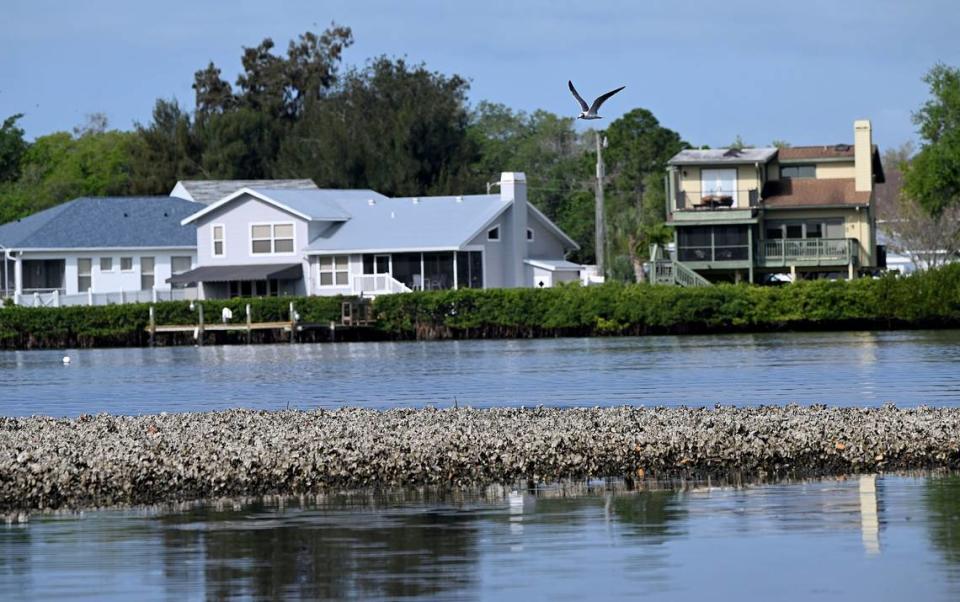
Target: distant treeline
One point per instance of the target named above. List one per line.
(389, 125)
(924, 300)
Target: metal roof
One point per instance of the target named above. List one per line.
(229, 273)
(311, 205)
(104, 222)
(211, 191)
(436, 222)
(554, 265)
(730, 156)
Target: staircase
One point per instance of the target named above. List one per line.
(668, 271)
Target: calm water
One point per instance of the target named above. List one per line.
(886, 538)
(867, 538)
(858, 368)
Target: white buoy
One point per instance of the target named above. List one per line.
(66, 360)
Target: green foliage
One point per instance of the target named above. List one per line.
(12, 148)
(933, 176)
(924, 299)
(124, 325)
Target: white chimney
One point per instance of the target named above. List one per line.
(513, 188)
(862, 155)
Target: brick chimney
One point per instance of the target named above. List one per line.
(513, 187)
(863, 155)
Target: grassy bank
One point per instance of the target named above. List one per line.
(930, 299)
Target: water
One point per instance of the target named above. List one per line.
(866, 538)
(848, 368)
(862, 538)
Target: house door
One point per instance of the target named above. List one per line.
(381, 264)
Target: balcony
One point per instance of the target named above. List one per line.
(731, 205)
(807, 252)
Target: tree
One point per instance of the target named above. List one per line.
(929, 240)
(932, 178)
(639, 148)
(399, 129)
(167, 150)
(12, 148)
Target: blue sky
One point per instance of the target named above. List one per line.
(798, 71)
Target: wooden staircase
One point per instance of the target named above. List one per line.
(668, 271)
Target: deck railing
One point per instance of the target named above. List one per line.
(717, 201)
(377, 284)
(55, 299)
(786, 250)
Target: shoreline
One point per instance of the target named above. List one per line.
(103, 460)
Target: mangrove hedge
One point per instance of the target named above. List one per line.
(924, 300)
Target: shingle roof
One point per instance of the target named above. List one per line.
(834, 151)
(437, 222)
(211, 191)
(723, 155)
(104, 222)
(802, 192)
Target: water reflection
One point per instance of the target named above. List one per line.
(833, 538)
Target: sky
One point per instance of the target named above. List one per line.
(795, 71)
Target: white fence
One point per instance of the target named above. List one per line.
(55, 299)
(377, 284)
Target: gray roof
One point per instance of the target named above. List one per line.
(226, 273)
(436, 222)
(104, 222)
(321, 204)
(211, 191)
(723, 155)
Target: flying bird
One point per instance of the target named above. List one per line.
(591, 111)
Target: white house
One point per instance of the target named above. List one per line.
(97, 250)
(275, 241)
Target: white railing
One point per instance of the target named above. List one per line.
(377, 284)
(55, 299)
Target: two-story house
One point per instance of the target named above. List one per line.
(744, 214)
(309, 241)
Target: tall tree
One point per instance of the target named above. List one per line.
(932, 178)
(12, 148)
(167, 150)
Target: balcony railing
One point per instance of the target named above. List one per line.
(838, 251)
(717, 201)
(377, 284)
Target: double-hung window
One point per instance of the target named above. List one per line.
(218, 240)
(146, 273)
(334, 270)
(268, 239)
(84, 278)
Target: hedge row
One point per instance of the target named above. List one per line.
(922, 300)
(125, 325)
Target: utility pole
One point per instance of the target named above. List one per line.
(600, 234)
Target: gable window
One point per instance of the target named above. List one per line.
(334, 270)
(798, 171)
(271, 238)
(493, 233)
(218, 240)
(106, 264)
(146, 273)
(529, 234)
(84, 278)
(126, 264)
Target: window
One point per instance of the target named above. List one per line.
(218, 240)
(798, 171)
(376, 264)
(106, 264)
(814, 230)
(334, 270)
(179, 265)
(84, 278)
(469, 269)
(146, 273)
(794, 230)
(493, 233)
(529, 234)
(271, 238)
(719, 186)
(126, 264)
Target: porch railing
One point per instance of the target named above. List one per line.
(55, 299)
(378, 284)
(785, 250)
(718, 200)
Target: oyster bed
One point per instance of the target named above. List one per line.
(103, 460)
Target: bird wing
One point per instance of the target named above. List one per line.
(583, 103)
(601, 99)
